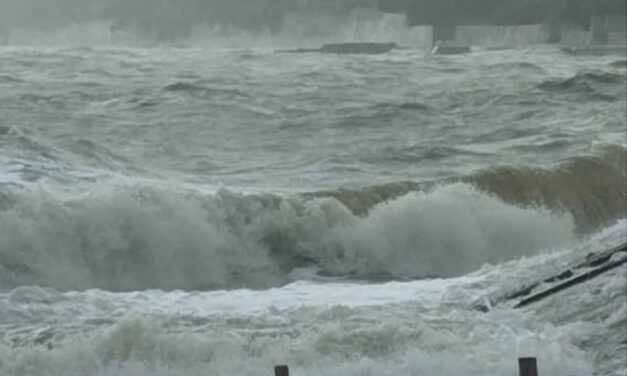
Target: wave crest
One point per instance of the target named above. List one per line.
(603, 86)
(589, 187)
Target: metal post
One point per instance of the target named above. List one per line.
(528, 367)
(281, 371)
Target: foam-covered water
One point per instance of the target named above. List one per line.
(325, 327)
(192, 210)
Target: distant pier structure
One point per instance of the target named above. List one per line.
(602, 20)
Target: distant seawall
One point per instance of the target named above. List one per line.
(175, 19)
(503, 12)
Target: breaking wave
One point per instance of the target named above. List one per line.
(137, 237)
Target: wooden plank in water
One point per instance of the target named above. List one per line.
(592, 260)
(572, 282)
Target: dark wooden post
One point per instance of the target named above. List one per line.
(281, 371)
(528, 367)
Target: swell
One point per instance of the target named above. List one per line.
(522, 65)
(198, 90)
(5, 78)
(590, 187)
(70, 150)
(619, 64)
(605, 86)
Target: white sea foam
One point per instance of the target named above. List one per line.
(324, 328)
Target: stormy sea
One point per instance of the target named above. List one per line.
(221, 209)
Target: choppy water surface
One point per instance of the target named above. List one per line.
(260, 120)
(332, 186)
